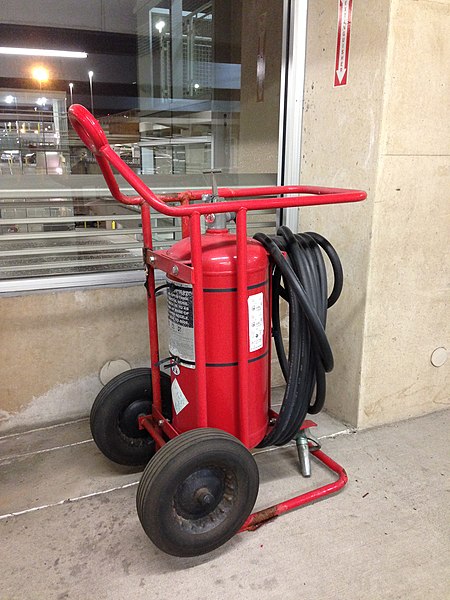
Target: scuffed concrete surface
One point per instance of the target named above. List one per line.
(63, 402)
(385, 536)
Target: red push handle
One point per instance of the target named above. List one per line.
(87, 128)
(92, 135)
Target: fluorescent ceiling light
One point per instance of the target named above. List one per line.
(42, 52)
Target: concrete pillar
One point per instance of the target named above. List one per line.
(386, 131)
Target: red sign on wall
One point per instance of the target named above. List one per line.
(345, 9)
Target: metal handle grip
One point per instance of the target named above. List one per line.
(87, 128)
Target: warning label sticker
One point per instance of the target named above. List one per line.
(256, 321)
(180, 312)
(179, 400)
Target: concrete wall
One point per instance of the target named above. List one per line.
(408, 298)
(54, 345)
(341, 132)
(387, 132)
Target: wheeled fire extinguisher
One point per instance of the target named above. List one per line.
(221, 336)
(195, 428)
(303, 271)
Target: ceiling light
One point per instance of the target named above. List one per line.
(42, 52)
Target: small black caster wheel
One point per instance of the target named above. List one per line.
(197, 492)
(115, 412)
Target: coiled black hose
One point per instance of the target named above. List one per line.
(303, 273)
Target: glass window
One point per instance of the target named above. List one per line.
(180, 87)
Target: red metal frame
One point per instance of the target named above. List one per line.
(255, 520)
(242, 200)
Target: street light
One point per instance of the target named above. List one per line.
(41, 74)
(71, 92)
(160, 26)
(91, 75)
(9, 100)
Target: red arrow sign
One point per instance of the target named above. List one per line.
(343, 42)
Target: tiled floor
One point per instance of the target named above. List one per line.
(69, 528)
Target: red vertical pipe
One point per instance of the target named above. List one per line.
(184, 220)
(242, 313)
(151, 309)
(199, 320)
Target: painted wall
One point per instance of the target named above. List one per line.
(387, 132)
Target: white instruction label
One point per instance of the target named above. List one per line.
(181, 322)
(256, 321)
(178, 398)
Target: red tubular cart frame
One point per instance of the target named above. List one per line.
(240, 201)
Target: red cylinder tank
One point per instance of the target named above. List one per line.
(220, 302)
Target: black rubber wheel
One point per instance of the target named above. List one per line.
(115, 412)
(197, 492)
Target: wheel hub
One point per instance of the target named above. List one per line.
(204, 497)
(128, 420)
(200, 493)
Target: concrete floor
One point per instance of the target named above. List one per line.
(69, 528)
